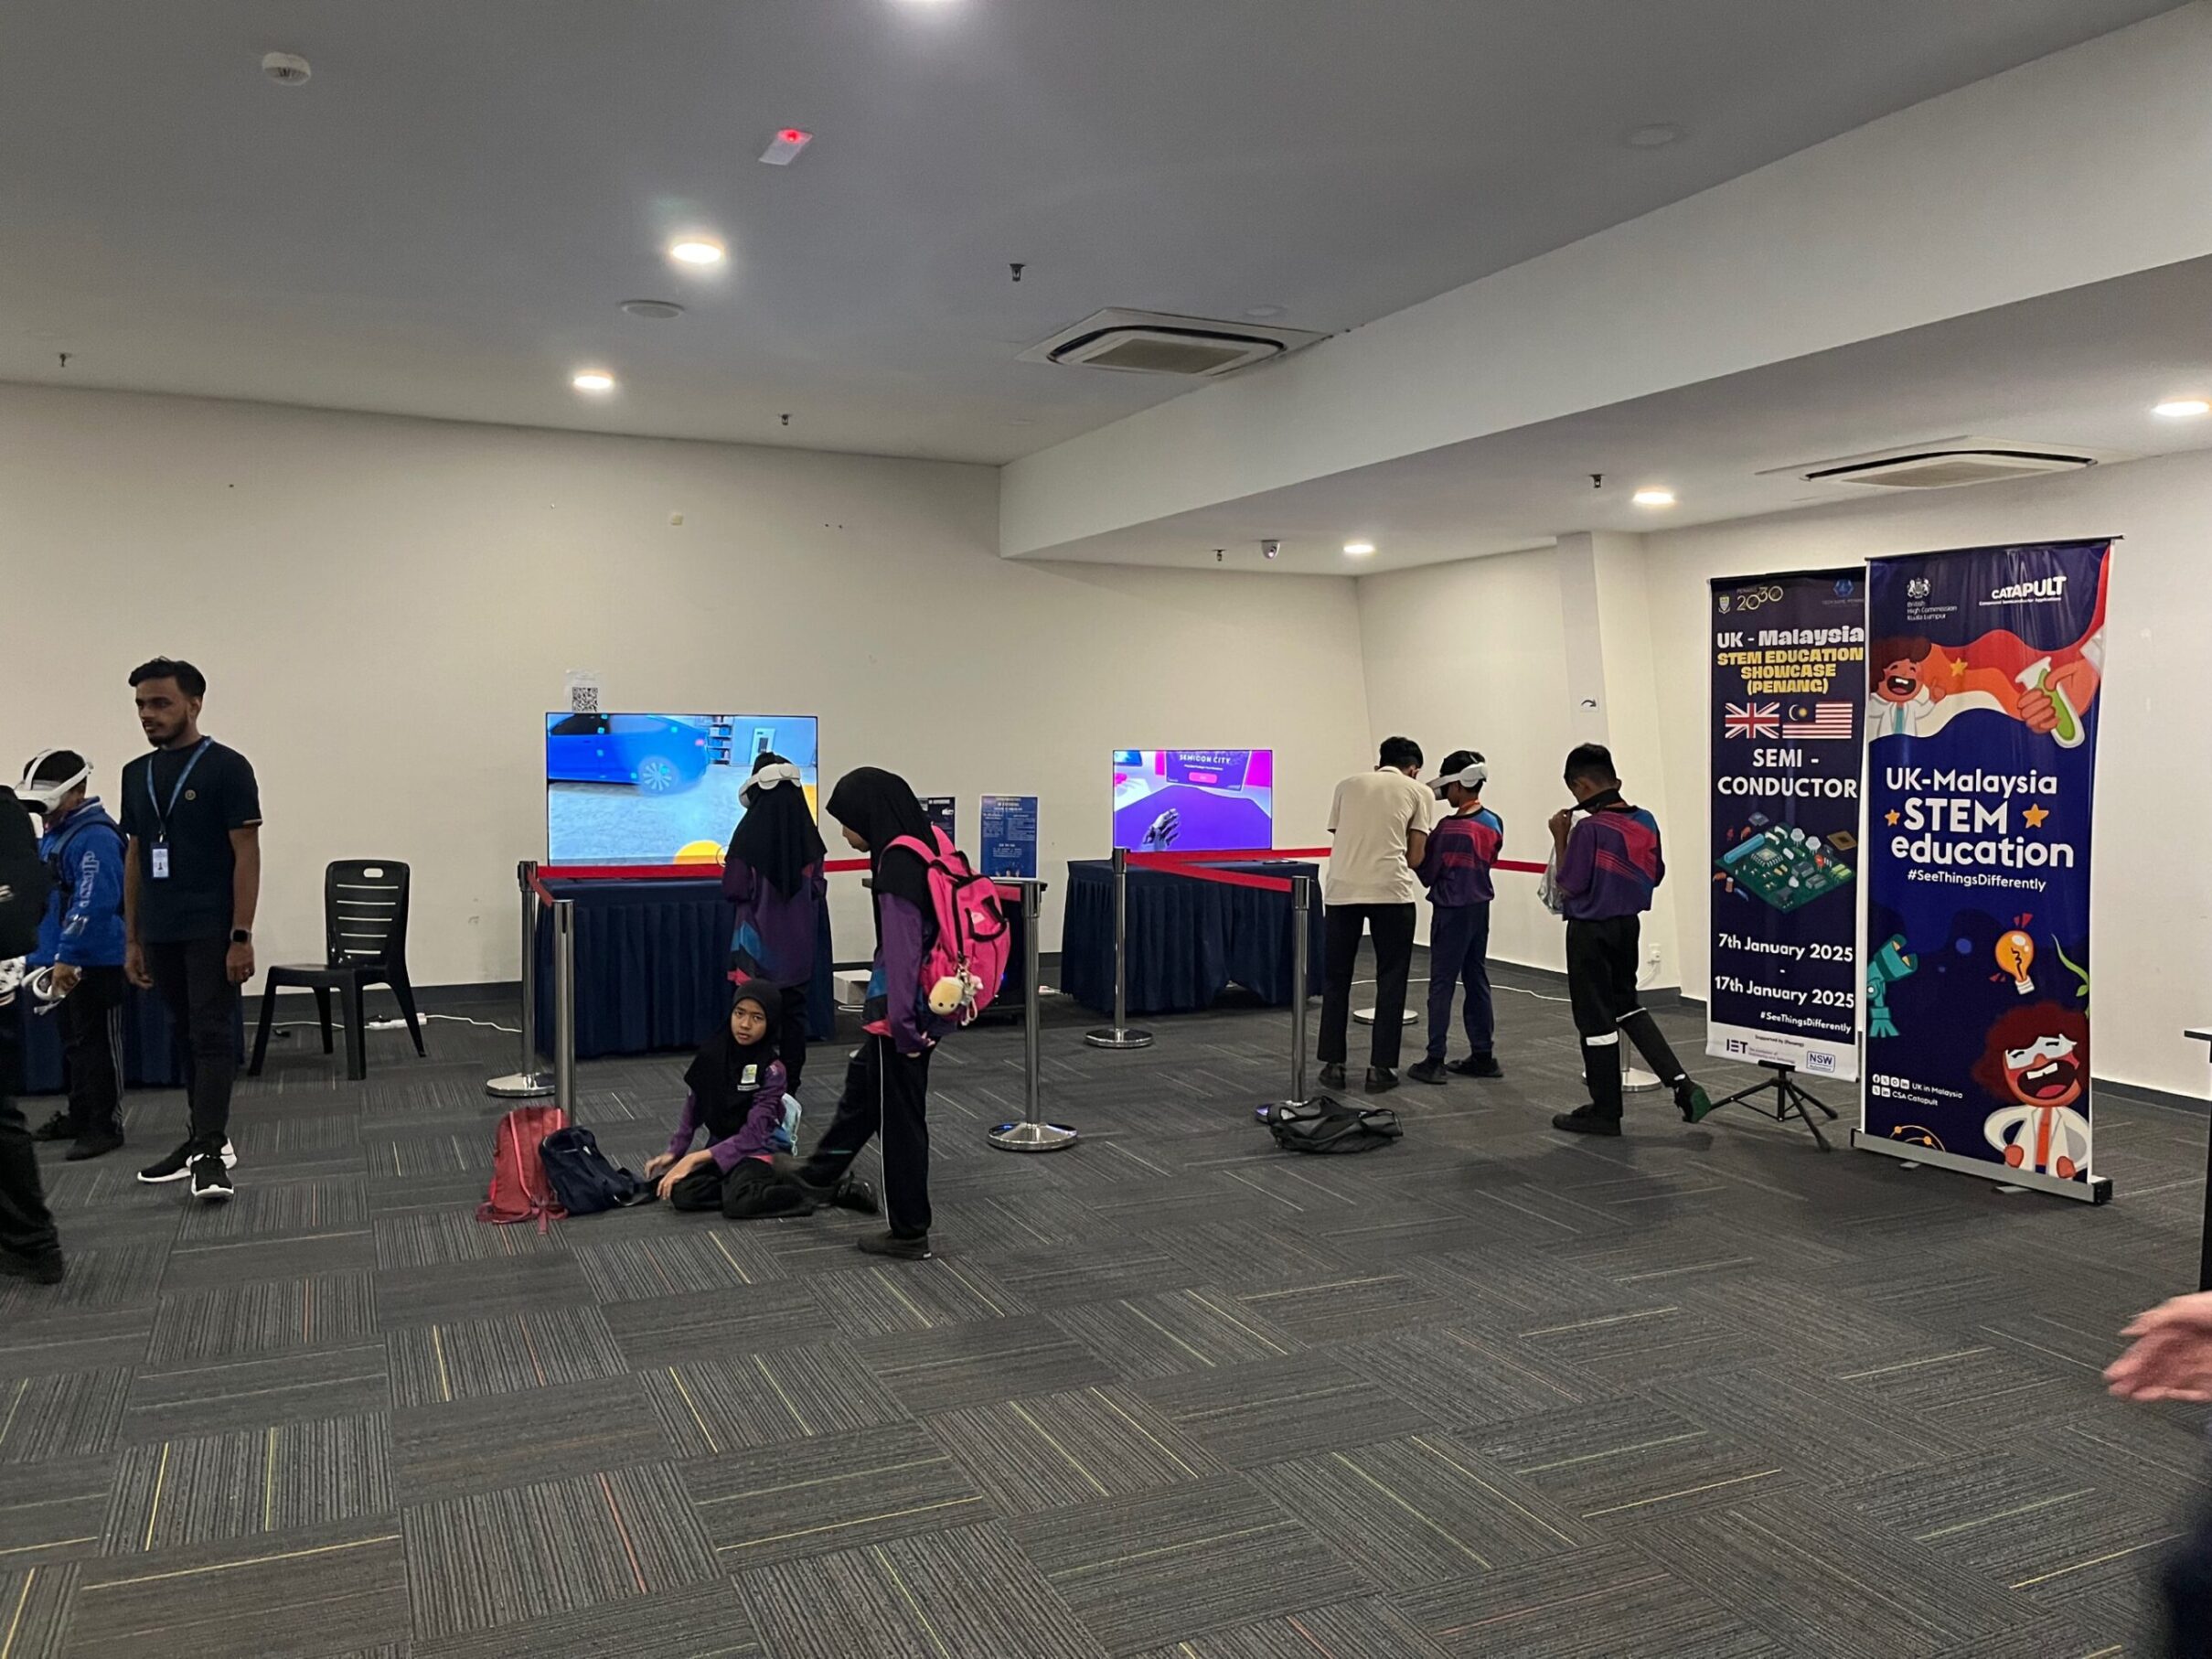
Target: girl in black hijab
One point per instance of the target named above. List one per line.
(887, 1083)
(773, 873)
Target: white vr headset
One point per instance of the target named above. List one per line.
(767, 778)
(45, 796)
(1472, 779)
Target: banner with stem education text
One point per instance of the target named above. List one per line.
(1789, 660)
(1985, 674)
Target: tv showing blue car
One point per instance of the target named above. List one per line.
(623, 788)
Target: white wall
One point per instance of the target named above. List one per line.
(1473, 654)
(384, 608)
(2152, 893)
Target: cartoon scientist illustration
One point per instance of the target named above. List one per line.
(1914, 689)
(2036, 1061)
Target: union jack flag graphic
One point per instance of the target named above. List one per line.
(1753, 719)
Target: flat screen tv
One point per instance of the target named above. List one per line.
(660, 788)
(1193, 800)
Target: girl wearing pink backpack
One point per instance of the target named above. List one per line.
(887, 1082)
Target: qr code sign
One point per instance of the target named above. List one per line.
(583, 699)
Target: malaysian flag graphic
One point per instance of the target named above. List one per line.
(1823, 721)
(1753, 719)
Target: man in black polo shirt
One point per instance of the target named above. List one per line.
(191, 882)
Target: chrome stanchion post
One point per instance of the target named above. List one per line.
(525, 1082)
(1119, 1036)
(1300, 926)
(564, 1007)
(1032, 1134)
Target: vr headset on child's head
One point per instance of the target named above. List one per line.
(1464, 767)
(67, 770)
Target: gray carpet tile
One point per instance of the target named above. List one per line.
(1695, 1391)
(818, 1496)
(1420, 1510)
(1182, 1560)
(945, 1595)
(477, 1444)
(1201, 1329)
(315, 1593)
(809, 1391)
(1269, 1410)
(254, 1393)
(550, 1546)
(273, 1316)
(503, 1353)
(1369, 1628)
(1612, 1601)
(1059, 1450)
(60, 1414)
(995, 1359)
(248, 1483)
(705, 1620)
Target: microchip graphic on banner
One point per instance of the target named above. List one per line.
(1984, 682)
(1789, 662)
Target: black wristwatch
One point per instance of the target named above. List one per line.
(242, 936)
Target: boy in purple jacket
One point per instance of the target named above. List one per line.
(1455, 867)
(1608, 865)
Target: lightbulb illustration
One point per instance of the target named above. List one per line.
(2015, 951)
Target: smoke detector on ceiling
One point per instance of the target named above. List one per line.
(286, 68)
(1942, 464)
(1151, 342)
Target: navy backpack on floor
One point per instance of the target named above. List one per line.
(583, 1180)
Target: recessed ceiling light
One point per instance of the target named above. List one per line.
(1653, 497)
(1265, 312)
(783, 148)
(657, 311)
(2182, 409)
(697, 251)
(1359, 549)
(1656, 136)
(592, 380)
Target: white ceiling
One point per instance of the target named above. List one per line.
(443, 221)
(2079, 368)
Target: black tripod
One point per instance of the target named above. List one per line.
(1789, 1100)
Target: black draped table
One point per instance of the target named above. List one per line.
(652, 965)
(1189, 939)
(150, 1059)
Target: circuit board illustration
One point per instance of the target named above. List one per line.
(1784, 866)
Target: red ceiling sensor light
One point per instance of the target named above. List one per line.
(785, 147)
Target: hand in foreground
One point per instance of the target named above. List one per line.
(683, 1166)
(238, 963)
(2172, 1356)
(1164, 830)
(134, 966)
(1562, 821)
(64, 978)
(658, 1162)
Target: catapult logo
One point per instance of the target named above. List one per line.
(2046, 590)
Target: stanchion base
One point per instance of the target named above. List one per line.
(1366, 1016)
(1032, 1137)
(1635, 1080)
(520, 1086)
(1115, 1036)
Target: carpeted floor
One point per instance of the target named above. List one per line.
(1491, 1391)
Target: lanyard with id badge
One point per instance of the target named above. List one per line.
(160, 849)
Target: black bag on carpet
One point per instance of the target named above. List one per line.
(1329, 1126)
(582, 1179)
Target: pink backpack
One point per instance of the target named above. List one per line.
(521, 1191)
(966, 963)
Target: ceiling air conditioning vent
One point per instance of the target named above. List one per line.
(1149, 342)
(1943, 465)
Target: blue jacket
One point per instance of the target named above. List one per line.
(83, 921)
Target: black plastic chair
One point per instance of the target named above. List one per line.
(365, 938)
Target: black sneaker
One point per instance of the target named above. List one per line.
(210, 1179)
(1381, 1079)
(1426, 1071)
(1583, 1120)
(178, 1164)
(57, 1127)
(900, 1249)
(1478, 1066)
(1692, 1101)
(855, 1194)
(1332, 1075)
(93, 1143)
(47, 1269)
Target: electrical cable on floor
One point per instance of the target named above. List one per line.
(396, 1023)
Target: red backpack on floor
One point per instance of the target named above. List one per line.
(519, 1188)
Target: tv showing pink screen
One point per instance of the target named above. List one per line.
(1193, 800)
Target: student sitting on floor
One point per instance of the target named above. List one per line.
(736, 1085)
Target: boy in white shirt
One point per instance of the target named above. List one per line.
(1379, 820)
